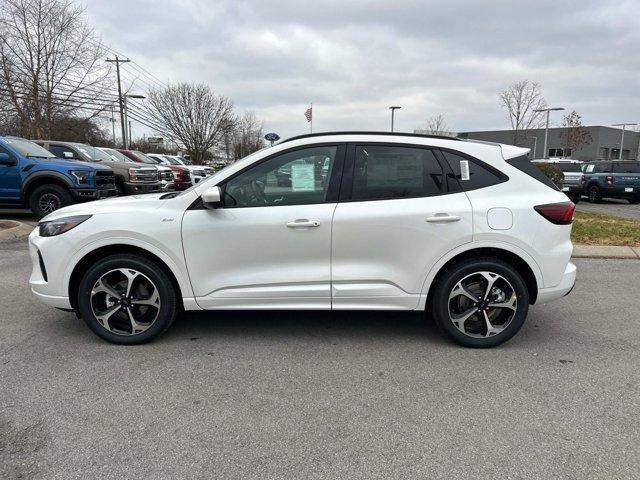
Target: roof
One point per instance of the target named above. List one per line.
(386, 134)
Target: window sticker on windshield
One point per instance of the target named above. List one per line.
(302, 178)
(464, 170)
(590, 168)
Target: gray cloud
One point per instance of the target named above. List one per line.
(354, 58)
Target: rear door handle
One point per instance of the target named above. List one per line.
(443, 218)
(303, 224)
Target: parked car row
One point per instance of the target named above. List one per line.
(599, 179)
(45, 175)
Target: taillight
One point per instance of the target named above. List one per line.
(583, 179)
(558, 213)
(609, 179)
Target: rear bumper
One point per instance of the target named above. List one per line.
(619, 192)
(565, 286)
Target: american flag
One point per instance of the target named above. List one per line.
(309, 114)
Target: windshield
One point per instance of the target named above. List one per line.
(27, 148)
(184, 160)
(116, 155)
(92, 152)
(570, 167)
(144, 158)
(171, 160)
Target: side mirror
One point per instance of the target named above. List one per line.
(6, 159)
(212, 198)
(67, 154)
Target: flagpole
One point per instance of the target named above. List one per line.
(311, 131)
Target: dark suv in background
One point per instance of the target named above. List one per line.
(131, 178)
(619, 179)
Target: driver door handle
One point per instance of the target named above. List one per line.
(303, 224)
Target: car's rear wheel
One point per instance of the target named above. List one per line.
(594, 194)
(480, 303)
(127, 299)
(48, 198)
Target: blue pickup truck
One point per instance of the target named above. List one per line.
(619, 179)
(31, 176)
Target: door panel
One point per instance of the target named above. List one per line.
(395, 222)
(270, 245)
(249, 257)
(10, 181)
(383, 250)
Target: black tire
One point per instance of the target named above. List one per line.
(595, 196)
(51, 195)
(168, 302)
(635, 200)
(120, 190)
(575, 198)
(458, 271)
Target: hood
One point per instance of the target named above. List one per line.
(126, 204)
(59, 162)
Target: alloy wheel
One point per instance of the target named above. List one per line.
(482, 304)
(49, 202)
(125, 301)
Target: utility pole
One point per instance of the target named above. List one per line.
(623, 125)
(393, 110)
(118, 61)
(546, 129)
(129, 137)
(113, 126)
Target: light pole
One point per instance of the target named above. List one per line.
(623, 125)
(393, 110)
(546, 129)
(127, 139)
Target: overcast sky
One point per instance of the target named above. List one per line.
(354, 58)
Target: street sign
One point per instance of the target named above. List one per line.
(155, 139)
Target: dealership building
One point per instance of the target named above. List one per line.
(604, 145)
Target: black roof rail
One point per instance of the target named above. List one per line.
(397, 134)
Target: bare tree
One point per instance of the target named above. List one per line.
(192, 115)
(575, 136)
(247, 135)
(521, 100)
(51, 64)
(436, 125)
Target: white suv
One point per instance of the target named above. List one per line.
(472, 233)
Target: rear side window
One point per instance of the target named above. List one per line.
(631, 167)
(524, 165)
(471, 173)
(387, 172)
(604, 167)
(569, 167)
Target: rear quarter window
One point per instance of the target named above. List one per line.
(525, 166)
(631, 167)
(471, 173)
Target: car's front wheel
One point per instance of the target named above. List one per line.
(481, 302)
(127, 299)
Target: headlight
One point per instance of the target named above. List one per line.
(134, 175)
(61, 225)
(82, 176)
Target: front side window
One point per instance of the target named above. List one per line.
(294, 178)
(388, 172)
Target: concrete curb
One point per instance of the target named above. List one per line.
(10, 230)
(605, 251)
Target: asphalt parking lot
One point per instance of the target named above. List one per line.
(610, 206)
(324, 395)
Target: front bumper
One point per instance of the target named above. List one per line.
(44, 280)
(168, 186)
(181, 185)
(134, 188)
(93, 193)
(565, 286)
